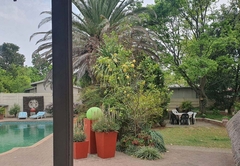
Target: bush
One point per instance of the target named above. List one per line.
(186, 106)
(129, 143)
(158, 141)
(14, 110)
(2, 110)
(131, 150)
(79, 135)
(148, 153)
(216, 112)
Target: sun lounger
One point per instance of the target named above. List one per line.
(40, 114)
(22, 115)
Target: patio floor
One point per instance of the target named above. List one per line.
(41, 154)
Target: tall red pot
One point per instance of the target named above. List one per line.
(106, 144)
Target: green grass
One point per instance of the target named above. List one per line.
(212, 137)
(217, 117)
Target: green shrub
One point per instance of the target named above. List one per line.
(236, 106)
(158, 141)
(186, 105)
(216, 112)
(78, 135)
(2, 110)
(14, 110)
(144, 138)
(131, 150)
(148, 153)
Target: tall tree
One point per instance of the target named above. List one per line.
(9, 55)
(184, 44)
(14, 80)
(92, 20)
(224, 84)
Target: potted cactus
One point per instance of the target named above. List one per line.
(80, 144)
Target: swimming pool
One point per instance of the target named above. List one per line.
(22, 134)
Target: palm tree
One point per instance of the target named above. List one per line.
(94, 18)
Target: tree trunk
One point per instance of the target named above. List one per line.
(203, 99)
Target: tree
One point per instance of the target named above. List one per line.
(224, 84)
(9, 55)
(132, 87)
(95, 18)
(41, 68)
(184, 44)
(14, 80)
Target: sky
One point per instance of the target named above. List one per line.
(19, 20)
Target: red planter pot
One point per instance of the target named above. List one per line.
(106, 144)
(92, 149)
(80, 149)
(1, 116)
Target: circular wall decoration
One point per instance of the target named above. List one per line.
(33, 103)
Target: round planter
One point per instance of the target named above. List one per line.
(106, 144)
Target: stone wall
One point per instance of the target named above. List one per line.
(233, 128)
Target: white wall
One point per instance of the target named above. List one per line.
(17, 98)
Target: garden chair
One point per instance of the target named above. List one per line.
(185, 119)
(174, 118)
(22, 115)
(40, 114)
(194, 117)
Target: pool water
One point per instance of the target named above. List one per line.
(22, 134)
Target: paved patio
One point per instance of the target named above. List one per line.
(41, 154)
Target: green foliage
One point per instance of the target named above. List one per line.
(41, 67)
(106, 123)
(10, 56)
(216, 112)
(14, 109)
(2, 110)
(158, 141)
(236, 106)
(148, 153)
(136, 93)
(144, 138)
(15, 80)
(131, 150)
(78, 135)
(92, 96)
(186, 106)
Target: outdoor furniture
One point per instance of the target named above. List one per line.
(180, 115)
(194, 117)
(174, 119)
(185, 119)
(40, 114)
(22, 115)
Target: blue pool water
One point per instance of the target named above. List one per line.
(22, 134)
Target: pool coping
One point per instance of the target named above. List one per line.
(32, 146)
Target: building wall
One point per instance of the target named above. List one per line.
(17, 98)
(182, 94)
(41, 89)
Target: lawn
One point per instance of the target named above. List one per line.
(212, 137)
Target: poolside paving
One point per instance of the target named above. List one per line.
(41, 154)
